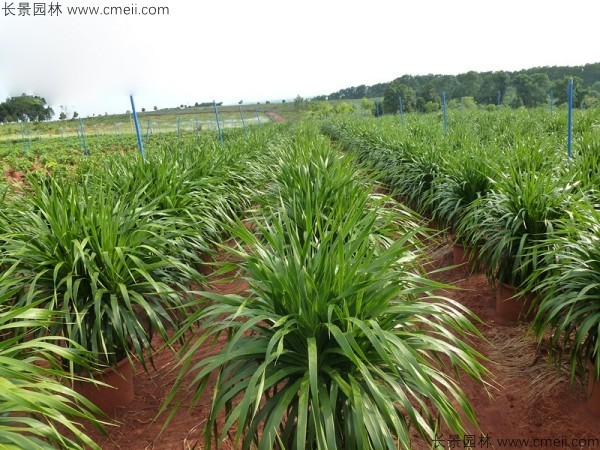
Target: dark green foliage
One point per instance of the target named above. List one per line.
(25, 108)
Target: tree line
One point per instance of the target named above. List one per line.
(530, 88)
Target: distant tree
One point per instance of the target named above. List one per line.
(143, 109)
(393, 92)
(491, 85)
(446, 83)
(240, 102)
(155, 108)
(531, 91)
(75, 114)
(25, 108)
(283, 101)
(468, 84)
(592, 99)
(62, 115)
(428, 98)
(560, 89)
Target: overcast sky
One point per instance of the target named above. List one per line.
(257, 50)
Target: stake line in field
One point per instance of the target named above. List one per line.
(570, 120)
(445, 115)
(86, 152)
(137, 129)
(23, 136)
(243, 122)
(218, 123)
(401, 109)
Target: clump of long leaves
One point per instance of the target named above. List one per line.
(517, 214)
(569, 289)
(37, 410)
(586, 164)
(312, 179)
(107, 265)
(340, 344)
(466, 178)
(198, 186)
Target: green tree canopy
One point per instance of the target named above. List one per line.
(391, 96)
(531, 89)
(561, 90)
(484, 87)
(429, 99)
(468, 84)
(491, 85)
(25, 108)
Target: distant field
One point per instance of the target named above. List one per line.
(190, 119)
(161, 121)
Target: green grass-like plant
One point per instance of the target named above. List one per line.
(569, 289)
(517, 214)
(37, 408)
(110, 270)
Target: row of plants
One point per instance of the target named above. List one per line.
(339, 341)
(96, 263)
(525, 210)
(65, 155)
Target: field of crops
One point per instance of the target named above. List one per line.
(339, 335)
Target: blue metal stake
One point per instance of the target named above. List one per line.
(218, 123)
(148, 131)
(29, 140)
(79, 138)
(243, 122)
(570, 121)
(23, 136)
(401, 110)
(257, 117)
(86, 152)
(178, 126)
(445, 114)
(376, 109)
(137, 129)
